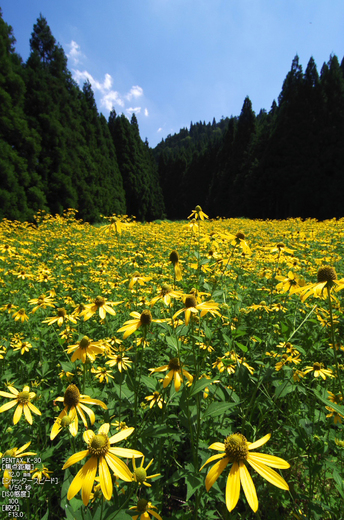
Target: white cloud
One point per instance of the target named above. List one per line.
(109, 97)
(134, 92)
(159, 130)
(146, 112)
(131, 110)
(75, 53)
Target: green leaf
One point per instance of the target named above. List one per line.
(200, 385)
(46, 516)
(241, 346)
(283, 389)
(218, 408)
(193, 483)
(172, 342)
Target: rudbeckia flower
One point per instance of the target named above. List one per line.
(73, 400)
(140, 473)
(176, 372)
(192, 307)
(327, 278)
(63, 421)
(60, 318)
(237, 450)
(319, 370)
(122, 362)
(197, 213)
(99, 447)
(143, 508)
(14, 452)
(130, 326)
(101, 305)
(166, 294)
(23, 400)
(86, 348)
(20, 315)
(174, 258)
(290, 283)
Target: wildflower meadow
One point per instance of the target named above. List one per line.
(184, 370)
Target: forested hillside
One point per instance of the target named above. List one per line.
(57, 151)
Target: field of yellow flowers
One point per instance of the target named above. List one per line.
(185, 370)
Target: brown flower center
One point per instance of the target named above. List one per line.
(165, 289)
(174, 364)
(327, 274)
(236, 447)
(190, 301)
(317, 366)
(71, 396)
(85, 342)
(142, 505)
(61, 312)
(174, 258)
(99, 301)
(99, 445)
(280, 245)
(240, 235)
(146, 317)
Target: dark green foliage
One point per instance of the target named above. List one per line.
(138, 168)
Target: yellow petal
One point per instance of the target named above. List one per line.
(104, 428)
(75, 458)
(84, 479)
(269, 460)
(8, 405)
(248, 487)
(154, 514)
(260, 442)
(27, 413)
(121, 435)
(7, 394)
(89, 412)
(34, 409)
(120, 469)
(269, 474)
(215, 472)
(212, 458)
(88, 436)
(233, 487)
(125, 452)
(167, 379)
(13, 390)
(219, 446)
(177, 380)
(105, 478)
(17, 413)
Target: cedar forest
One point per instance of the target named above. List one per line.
(57, 151)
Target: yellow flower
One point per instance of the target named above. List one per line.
(327, 278)
(281, 248)
(73, 400)
(123, 362)
(130, 326)
(40, 472)
(156, 398)
(100, 304)
(174, 258)
(64, 421)
(237, 449)
(143, 508)
(61, 317)
(86, 348)
(99, 447)
(197, 213)
(137, 278)
(318, 370)
(292, 283)
(23, 346)
(41, 302)
(166, 294)
(20, 315)
(14, 452)
(102, 373)
(23, 400)
(192, 307)
(176, 372)
(140, 473)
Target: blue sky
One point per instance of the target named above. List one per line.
(177, 61)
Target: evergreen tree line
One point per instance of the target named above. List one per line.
(288, 162)
(58, 152)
